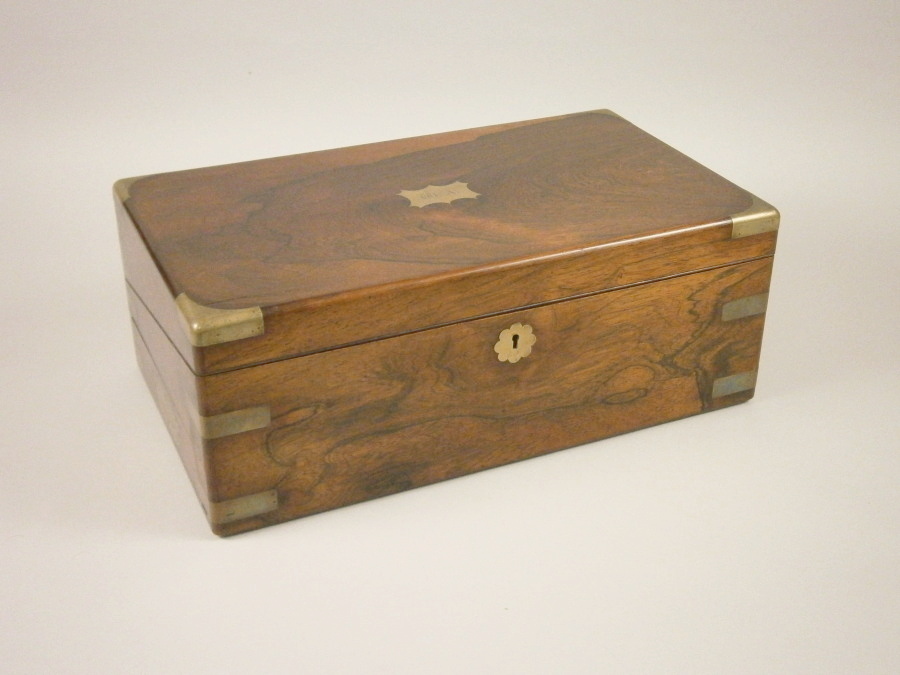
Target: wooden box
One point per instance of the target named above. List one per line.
(325, 328)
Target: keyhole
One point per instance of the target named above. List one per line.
(516, 341)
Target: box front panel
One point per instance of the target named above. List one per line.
(373, 419)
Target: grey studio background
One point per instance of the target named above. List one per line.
(759, 539)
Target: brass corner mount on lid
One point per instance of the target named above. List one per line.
(207, 326)
(759, 217)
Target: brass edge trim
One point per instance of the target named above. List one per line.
(734, 384)
(122, 187)
(240, 508)
(752, 305)
(208, 326)
(235, 422)
(760, 217)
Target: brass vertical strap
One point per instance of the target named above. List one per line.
(240, 508)
(235, 422)
(734, 384)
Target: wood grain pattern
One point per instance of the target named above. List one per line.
(552, 186)
(357, 423)
(335, 256)
(174, 389)
(376, 371)
(149, 283)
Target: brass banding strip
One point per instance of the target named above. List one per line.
(734, 384)
(235, 422)
(744, 307)
(243, 507)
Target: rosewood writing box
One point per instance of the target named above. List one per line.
(325, 328)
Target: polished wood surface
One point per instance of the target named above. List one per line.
(175, 390)
(357, 423)
(230, 238)
(334, 255)
(147, 282)
(376, 371)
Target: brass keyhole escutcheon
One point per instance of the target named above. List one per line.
(515, 343)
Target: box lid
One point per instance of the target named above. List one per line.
(258, 261)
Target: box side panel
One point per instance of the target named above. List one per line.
(174, 390)
(357, 423)
(145, 279)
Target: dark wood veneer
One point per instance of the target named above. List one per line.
(377, 362)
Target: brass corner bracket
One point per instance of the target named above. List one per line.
(221, 513)
(122, 187)
(734, 384)
(752, 305)
(235, 422)
(758, 218)
(208, 326)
